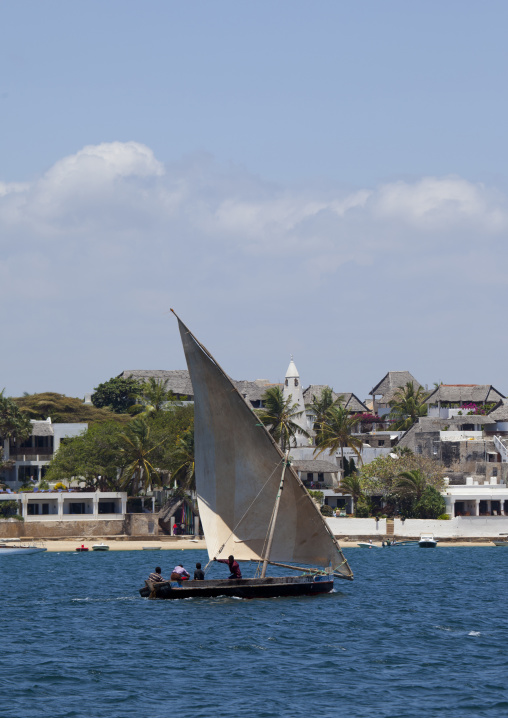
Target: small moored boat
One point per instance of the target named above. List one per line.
(427, 541)
(367, 544)
(100, 547)
(82, 548)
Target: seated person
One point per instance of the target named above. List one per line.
(198, 573)
(180, 574)
(156, 576)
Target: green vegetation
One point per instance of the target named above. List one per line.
(142, 454)
(336, 432)
(9, 510)
(154, 396)
(404, 483)
(117, 394)
(407, 406)
(317, 495)
(320, 407)
(64, 409)
(14, 424)
(279, 415)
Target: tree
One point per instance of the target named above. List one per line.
(280, 415)
(380, 475)
(117, 394)
(14, 424)
(100, 457)
(431, 504)
(410, 484)
(65, 409)
(136, 447)
(320, 406)
(407, 406)
(337, 433)
(94, 457)
(353, 486)
(183, 461)
(155, 395)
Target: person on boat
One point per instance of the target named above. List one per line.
(179, 573)
(233, 566)
(156, 576)
(198, 573)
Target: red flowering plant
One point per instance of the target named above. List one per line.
(368, 420)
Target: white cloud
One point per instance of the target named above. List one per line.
(108, 232)
(435, 202)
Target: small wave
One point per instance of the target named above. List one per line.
(474, 633)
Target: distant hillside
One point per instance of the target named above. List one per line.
(65, 409)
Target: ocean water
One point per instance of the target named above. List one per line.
(419, 633)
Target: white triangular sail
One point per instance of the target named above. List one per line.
(238, 471)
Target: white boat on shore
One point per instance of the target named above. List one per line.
(367, 544)
(100, 547)
(427, 541)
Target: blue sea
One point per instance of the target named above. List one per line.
(419, 633)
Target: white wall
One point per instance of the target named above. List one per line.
(458, 527)
(357, 527)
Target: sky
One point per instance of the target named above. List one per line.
(324, 180)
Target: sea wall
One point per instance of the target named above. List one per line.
(458, 527)
(130, 525)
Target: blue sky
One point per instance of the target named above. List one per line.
(324, 179)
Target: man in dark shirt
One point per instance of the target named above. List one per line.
(233, 566)
(198, 573)
(156, 576)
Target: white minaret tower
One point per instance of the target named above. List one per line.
(293, 388)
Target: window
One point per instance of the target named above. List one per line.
(107, 507)
(381, 443)
(45, 509)
(75, 508)
(32, 509)
(296, 382)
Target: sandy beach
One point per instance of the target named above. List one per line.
(116, 544)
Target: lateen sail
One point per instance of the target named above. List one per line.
(238, 471)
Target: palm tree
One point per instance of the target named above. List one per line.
(320, 406)
(136, 446)
(280, 416)
(352, 485)
(155, 395)
(411, 484)
(337, 433)
(407, 406)
(183, 458)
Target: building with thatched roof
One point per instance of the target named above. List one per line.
(385, 391)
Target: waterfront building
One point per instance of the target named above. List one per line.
(29, 459)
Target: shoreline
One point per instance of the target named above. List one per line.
(115, 544)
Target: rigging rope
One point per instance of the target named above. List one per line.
(245, 514)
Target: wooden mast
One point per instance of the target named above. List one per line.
(274, 518)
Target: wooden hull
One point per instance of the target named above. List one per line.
(240, 588)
